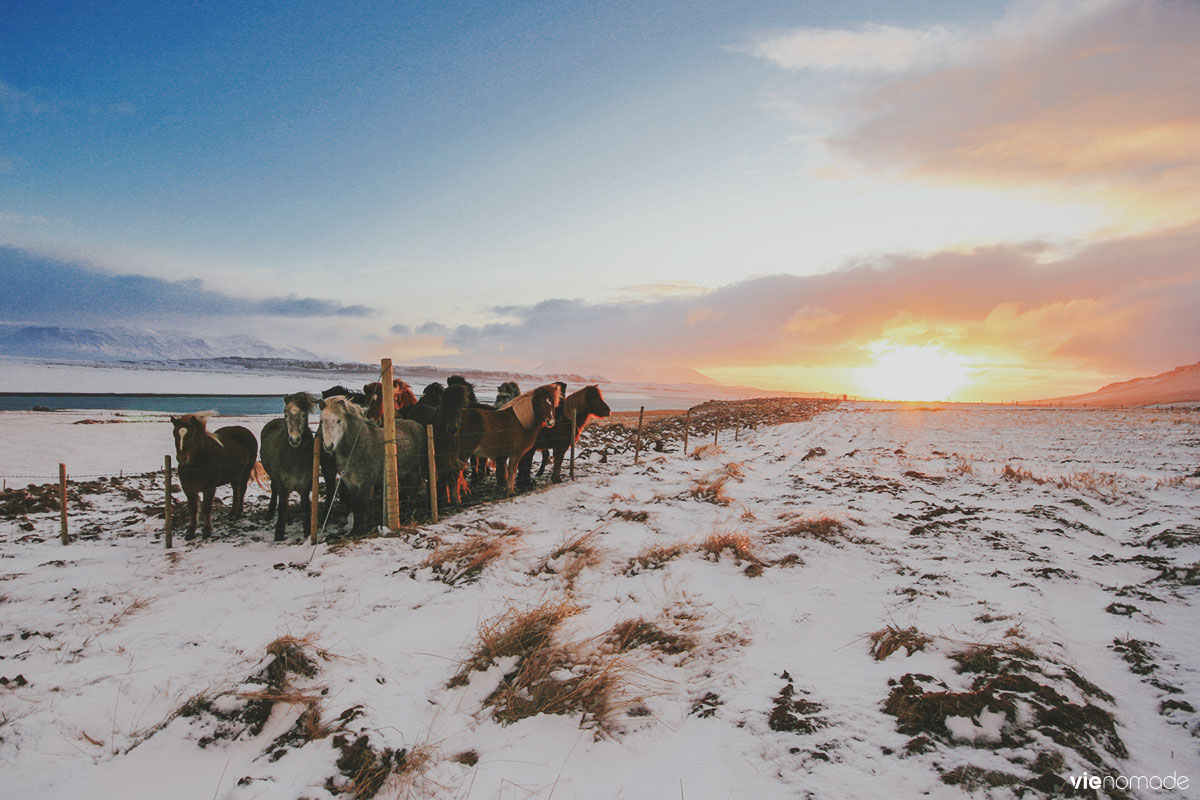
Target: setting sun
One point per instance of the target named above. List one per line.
(911, 372)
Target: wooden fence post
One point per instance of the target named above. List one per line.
(433, 490)
(637, 448)
(168, 533)
(716, 429)
(687, 426)
(314, 514)
(62, 498)
(391, 488)
(574, 433)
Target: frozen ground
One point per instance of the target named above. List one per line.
(874, 602)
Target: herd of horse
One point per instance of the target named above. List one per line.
(468, 436)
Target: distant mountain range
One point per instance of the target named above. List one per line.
(130, 344)
(1180, 385)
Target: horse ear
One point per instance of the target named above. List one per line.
(322, 404)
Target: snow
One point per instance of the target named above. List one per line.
(112, 635)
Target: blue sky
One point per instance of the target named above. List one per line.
(453, 167)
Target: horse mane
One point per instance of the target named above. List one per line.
(340, 404)
(199, 418)
(522, 405)
(302, 400)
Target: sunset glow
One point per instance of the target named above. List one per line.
(908, 372)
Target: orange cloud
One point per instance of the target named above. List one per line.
(1119, 308)
(1104, 104)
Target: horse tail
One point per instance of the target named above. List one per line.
(259, 474)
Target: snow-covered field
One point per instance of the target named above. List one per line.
(877, 602)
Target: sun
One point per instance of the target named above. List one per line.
(912, 372)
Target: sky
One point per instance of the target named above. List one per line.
(927, 200)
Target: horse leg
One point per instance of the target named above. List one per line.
(274, 501)
(503, 479)
(239, 485)
(281, 522)
(556, 473)
(306, 511)
(524, 477)
(192, 502)
(206, 503)
(545, 460)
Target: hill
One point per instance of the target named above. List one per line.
(1180, 385)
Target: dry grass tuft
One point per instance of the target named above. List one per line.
(888, 640)
(653, 557)
(466, 560)
(1019, 475)
(735, 470)
(572, 558)
(738, 543)
(558, 679)
(711, 489)
(705, 450)
(963, 466)
(824, 529)
(634, 633)
(514, 633)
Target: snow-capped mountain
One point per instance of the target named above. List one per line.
(132, 344)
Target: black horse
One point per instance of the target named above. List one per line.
(286, 452)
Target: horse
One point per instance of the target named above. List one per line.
(285, 450)
(584, 404)
(358, 446)
(208, 460)
(402, 397)
(505, 435)
(506, 393)
(449, 457)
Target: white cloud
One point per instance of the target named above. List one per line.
(873, 48)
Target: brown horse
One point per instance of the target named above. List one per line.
(402, 397)
(505, 435)
(208, 460)
(584, 404)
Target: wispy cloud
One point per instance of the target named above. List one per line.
(871, 48)
(43, 289)
(14, 101)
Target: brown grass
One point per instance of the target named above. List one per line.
(514, 633)
(572, 557)
(558, 679)
(466, 559)
(633, 633)
(653, 557)
(888, 640)
(738, 543)
(1019, 475)
(711, 489)
(705, 450)
(824, 529)
(963, 466)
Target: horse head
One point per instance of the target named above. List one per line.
(545, 400)
(335, 412)
(454, 399)
(432, 394)
(296, 408)
(594, 402)
(189, 432)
